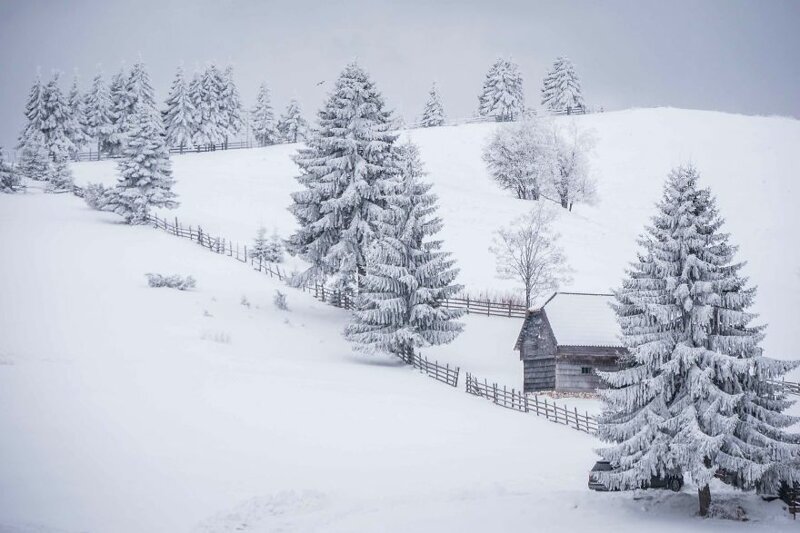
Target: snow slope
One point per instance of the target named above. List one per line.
(751, 163)
(128, 409)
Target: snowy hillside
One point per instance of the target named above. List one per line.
(751, 164)
(192, 412)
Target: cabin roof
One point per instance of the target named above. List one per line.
(579, 319)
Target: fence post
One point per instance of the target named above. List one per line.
(577, 422)
(488, 307)
(546, 412)
(509, 309)
(176, 225)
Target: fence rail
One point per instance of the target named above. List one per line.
(789, 387)
(94, 155)
(486, 307)
(444, 373)
(519, 401)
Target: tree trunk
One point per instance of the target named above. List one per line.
(704, 495)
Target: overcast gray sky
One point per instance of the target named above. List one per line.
(738, 56)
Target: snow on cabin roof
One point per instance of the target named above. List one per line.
(580, 319)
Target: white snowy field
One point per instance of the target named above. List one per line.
(128, 409)
(751, 163)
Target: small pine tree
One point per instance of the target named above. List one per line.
(292, 126)
(145, 174)
(434, 112)
(118, 110)
(347, 172)
(694, 396)
(502, 96)
(263, 119)
(408, 275)
(9, 178)
(274, 249)
(259, 244)
(59, 177)
(179, 117)
(230, 107)
(97, 122)
(562, 88)
(74, 127)
(34, 162)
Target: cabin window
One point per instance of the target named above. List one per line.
(586, 370)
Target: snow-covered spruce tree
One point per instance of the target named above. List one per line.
(59, 177)
(694, 396)
(145, 174)
(230, 107)
(562, 88)
(259, 244)
(56, 121)
(34, 161)
(263, 119)
(118, 110)
(407, 274)
(74, 126)
(206, 91)
(139, 89)
(34, 111)
(273, 251)
(434, 112)
(9, 178)
(97, 115)
(347, 171)
(179, 117)
(292, 125)
(502, 96)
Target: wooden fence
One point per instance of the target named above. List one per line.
(789, 387)
(518, 401)
(444, 373)
(486, 307)
(94, 155)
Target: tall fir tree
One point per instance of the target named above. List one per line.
(56, 128)
(263, 119)
(434, 112)
(97, 124)
(407, 274)
(9, 177)
(694, 396)
(347, 172)
(292, 126)
(34, 111)
(561, 92)
(502, 96)
(74, 126)
(118, 111)
(205, 91)
(179, 117)
(145, 180)
(230, 107)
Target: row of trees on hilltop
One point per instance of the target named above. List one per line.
(503, 98)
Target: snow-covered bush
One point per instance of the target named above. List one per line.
(502, 96)
(520, 158)
(173, 281)
(59, 178)
(94, 194)
(694, 395)
(34, 162)
(9, 178)
(280, 301)
(528, 251)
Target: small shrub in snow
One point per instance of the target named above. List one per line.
(94, 195)
(216, 336)
(280, 301)
(244, 301)
(9, 178)
(173, 282)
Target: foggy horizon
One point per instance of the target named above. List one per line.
(722, 56)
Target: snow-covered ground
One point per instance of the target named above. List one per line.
(751, 163)
(128, 409)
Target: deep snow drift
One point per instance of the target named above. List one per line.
(751, 164)
(126, 409)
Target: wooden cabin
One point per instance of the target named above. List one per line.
(566, 340)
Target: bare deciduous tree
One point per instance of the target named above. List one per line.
(572, 180)
(518, 158)
(528, 251)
